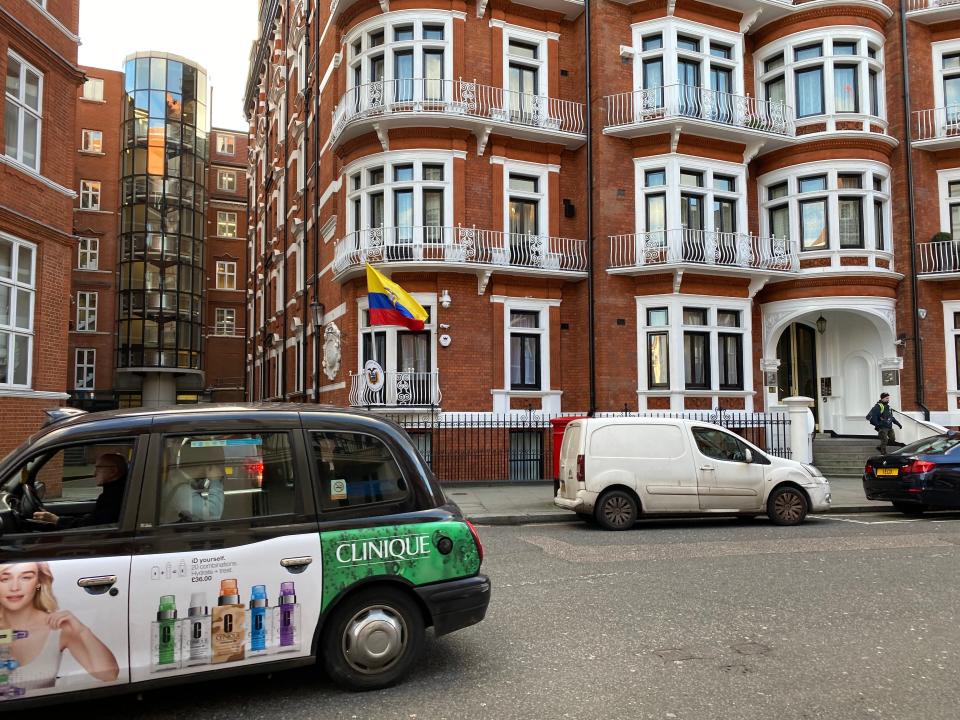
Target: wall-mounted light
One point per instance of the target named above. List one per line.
(445, 300)
(316, 313)
(821, 324)
(922, 313)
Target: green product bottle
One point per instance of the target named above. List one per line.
(166, 626)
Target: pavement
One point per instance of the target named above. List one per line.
(506, 503)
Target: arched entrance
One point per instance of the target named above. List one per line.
(839, 361)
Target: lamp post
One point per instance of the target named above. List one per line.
(316, 315)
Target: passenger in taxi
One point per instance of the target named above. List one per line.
(194, 486)
(27, 603)
(110, 471)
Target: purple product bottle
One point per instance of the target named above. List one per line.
(288, 611)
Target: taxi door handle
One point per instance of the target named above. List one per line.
(296, 564)
(98, 585)
(706, 467)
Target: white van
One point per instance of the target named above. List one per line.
(613, 469)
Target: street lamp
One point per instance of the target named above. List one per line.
(316, 315)
(821, 324)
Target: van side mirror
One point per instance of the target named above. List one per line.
(747, 456)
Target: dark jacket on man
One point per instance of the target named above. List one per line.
(881, 416)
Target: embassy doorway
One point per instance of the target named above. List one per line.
(797, 374)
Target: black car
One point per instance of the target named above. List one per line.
(157, 547)
(917, 477)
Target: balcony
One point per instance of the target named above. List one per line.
(457, 103)
(933, 11)
(937, 128)
(938, 260)
(460, 249)
(400, 390)
(698, 111)
(701, 250)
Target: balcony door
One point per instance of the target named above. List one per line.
(375, 348)
(951, 99)
(688, 80)
(721, 82)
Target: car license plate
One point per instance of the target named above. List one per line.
(881, 472)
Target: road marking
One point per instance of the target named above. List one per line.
(841, 518)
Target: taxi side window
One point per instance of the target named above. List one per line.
(83, 486)
(356, 469)
(226, 476)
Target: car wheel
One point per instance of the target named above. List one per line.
(372, 639)
(787, 506)
(910, 508)
(616, 510)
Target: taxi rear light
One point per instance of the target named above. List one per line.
(581, 474)
(918, 467)
(867, 469)
(476, 539)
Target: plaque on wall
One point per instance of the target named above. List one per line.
(890, 377)
(770, 378)
(826, 387)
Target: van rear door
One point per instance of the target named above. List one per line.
(569, 450)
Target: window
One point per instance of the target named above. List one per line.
(226, 180)
(17, 289)
(84, 485)
(813, 224)
(658, 360)
(953, 209)
(88, 253)
(827, 76)
(225, 322)
(93, 89)
(226, 275)
(86, 311)
(226, 224)
(524, 350)
(85, 365)
(526, 455)
(90, 194)
(730, 355)
(226, 145)
(696, 350)
(356, 470)
(228, 476)
(23, 114)
(401, 351)
(851, 222)
(92, 141)
(720, 445)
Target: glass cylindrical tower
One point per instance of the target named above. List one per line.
(163, 197)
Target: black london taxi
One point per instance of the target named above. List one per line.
(146, 547)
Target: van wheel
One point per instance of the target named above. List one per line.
(372, 639)
(787, 506)
(616, 510)
(909, 508)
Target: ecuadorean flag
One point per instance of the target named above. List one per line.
(390, 304)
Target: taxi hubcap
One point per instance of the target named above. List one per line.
(374, 639)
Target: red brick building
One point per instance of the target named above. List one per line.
(38, 52)
(751, 233)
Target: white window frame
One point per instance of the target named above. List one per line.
(541, 172)
(939, 49)
(227, 144)
(675, 330)
(831, 168)
(669, 29)
(944, 178)
(223, 183)
(949, 333)
(225, 322)
(84, 359)
(89, 93)
(224, 222)
(528, 305)
(87, 304)
(864, 38)
(88, 253)
(24, 109)
(426, 300)
(673, 165)
(227, 273)
(91, 141)
(19, 290)
(528, 36)
(90, 194)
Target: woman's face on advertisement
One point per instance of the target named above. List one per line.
(18, 585)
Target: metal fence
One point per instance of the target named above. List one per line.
(481, 447)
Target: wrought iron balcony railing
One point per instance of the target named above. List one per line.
(916, 5)
(400, 389)
(701, 104)
(457, 98)
(938, 258)
(937, 123)
(704, 247)
(460, 246)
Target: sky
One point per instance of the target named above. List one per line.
(216, 34)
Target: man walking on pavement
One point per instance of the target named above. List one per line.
(882, 419)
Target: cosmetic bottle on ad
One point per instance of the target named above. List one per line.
(197, 626)
(164, 638)
(228, 624)
(288, 619)
(259, 620)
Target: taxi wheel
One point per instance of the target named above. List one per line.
(616, 510)
(787, 506)
(372, 639)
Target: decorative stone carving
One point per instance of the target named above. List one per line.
(331, 350)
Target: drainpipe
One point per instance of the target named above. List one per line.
(911, 214)
(301, 250)
(591, 339)
(315, 213)
(282, 279)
